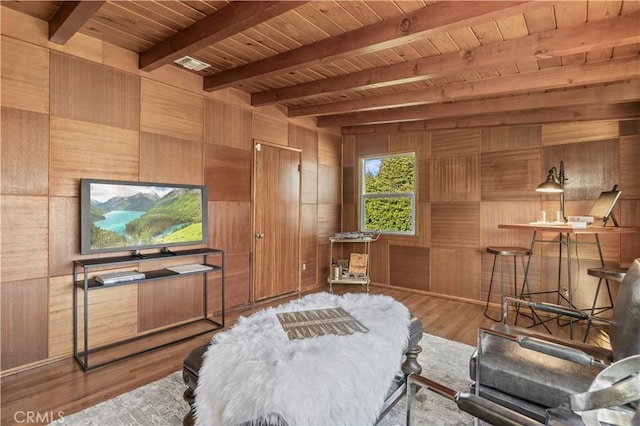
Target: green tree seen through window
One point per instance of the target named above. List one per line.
(389, 194)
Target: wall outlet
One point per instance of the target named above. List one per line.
(304, 266)
(565, 292)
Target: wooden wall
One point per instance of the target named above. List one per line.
(471, 180)
(83, 110)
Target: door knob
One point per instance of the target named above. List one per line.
(259, 235)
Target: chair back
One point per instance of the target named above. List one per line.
(624, 332)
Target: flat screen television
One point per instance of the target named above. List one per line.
(122, 215)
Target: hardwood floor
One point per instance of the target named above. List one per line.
(62, 388)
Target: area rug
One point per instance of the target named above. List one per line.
(161, 403)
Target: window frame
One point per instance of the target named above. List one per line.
(364, 196)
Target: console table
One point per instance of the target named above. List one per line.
(85, 284)
(565, 231)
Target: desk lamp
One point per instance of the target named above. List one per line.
(555, 184)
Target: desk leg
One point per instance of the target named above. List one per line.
(569, 289)
(525, 291)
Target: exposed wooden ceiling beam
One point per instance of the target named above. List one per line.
(551, 78)
(607, 33)
(623, 111)
(615, 93)
(71, 16)
(424, 22)
(228, 21)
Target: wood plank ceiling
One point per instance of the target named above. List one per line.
(405, 64)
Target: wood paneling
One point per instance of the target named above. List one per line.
(309, 273)
(64, 234)
(25, 152)
(166, 302)
(171, 111)
(60, 311)
(506, 175)
(227, 125)
(554, 134)
(87, 150)
(349, 217)
(455, 178)
(24, 314)
(268, 129)
(454, 142)
(77, 83)
(590, 167)
(237, 283)
(378, 261)
(629, 244)
(329, 150)
(24, 246)
(108, 307)
(309, 182)
(455, 224)
(423, 224)
(323, 263)
(349, 190)
(507, 138)
(456, 272)
(371, 144)
(409, 267)
(25, 75)
(630, 167)
(512, 163)
(348, 150)
(227, 173)
(329, 189)
(419, 142)
(230, 226)
(423, 181)
(493, 214)
(307, 141)
(168, 159)
(329, 219)
(309, 224)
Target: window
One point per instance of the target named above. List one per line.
(388, 199)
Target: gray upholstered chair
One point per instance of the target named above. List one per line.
(536, 374)
(613, 399)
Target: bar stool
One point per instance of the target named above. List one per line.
(603, 274)
(504, 251)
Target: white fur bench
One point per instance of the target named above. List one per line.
(374, 312)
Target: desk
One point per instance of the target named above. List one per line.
(565, 231)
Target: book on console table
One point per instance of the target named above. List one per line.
(187, 269)
(119, 277)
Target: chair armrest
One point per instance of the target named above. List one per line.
(557, 351)
(549, 348)
(491, 412)
(477, 406)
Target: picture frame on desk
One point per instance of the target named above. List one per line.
(603, 207)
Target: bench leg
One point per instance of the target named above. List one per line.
(410, 364)
(188, 396)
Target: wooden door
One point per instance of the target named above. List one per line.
(276, 221)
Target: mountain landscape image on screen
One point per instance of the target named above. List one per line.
(149, 217)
